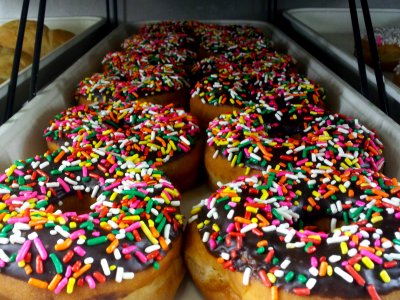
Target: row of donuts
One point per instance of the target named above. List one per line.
(95, 211)
(315, 218)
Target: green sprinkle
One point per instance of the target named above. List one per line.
(302, 278)
(57, 263)
(97, 240)
(289, 276)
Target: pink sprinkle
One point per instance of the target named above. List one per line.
(84, 171)
(213, 244)
(128, 249)
(43, 189)
(68, 271)
(2, 264)
(230, 227)
(18, 220)
(40, 248)
(397, 215)
(63, 184)
(372, 256)
(314, 262)
(141, 257)
(61, 285)
(77, 233)
(23, 250)
(79, 250)
(132, 227)
(111, 186)
(90, 281)
(3, 177)
(301, 162)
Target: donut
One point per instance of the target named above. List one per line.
(259, 138)
(154, 83)
(243, 62)
(215, 38)
(262, 237)
(388, 45)
(225, 92)
(86, 223)
(124, 63)
(164, 136)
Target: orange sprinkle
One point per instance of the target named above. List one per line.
(59, 156)
(28, 269)
(114, 244)
(323, 267)
(64, 245)
(38, 283)
(262, 243)
(350, 193)
(274, 292)
(82, 270)
(163, 244)
(380, 193)
(54, 282)
(242, 220)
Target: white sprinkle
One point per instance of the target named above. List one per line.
(334, 258)
(285, 263)
(21, 226)
(4, 257)
(352, 252)
(152, 248)
(117, 254)
(248, 228)
(88, 260)
(346, 276)
(4, 241)
(61, 231)
(339, 239)
(118, 274)
(290, 235)
(313, 271)
(33, 235)
(269, 228)
(105, 267)
(128, 275)
(44, 165)
(311, 283)
(225, 256)
(206, 236)
(246, 276)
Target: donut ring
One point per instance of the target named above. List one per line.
(264, 229)
(260, 137)
(127, 226)
(157, 84)
(160, 135)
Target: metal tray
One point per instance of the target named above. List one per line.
(21, 136)
(330, 31)
(57, 60)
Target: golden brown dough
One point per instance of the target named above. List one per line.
(9, 32)
(6, 62)
(57, 37)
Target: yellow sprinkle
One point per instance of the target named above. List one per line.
(271, 277)
(131, 218)
(200, 225)
(298, 192)
(337, 178)
(316, 194)
(376, 219)
(2, 205)
(236, 199)
(10, 170)
(253, 210)
(151, 223)
(113, 267)
(107, 132)
(165, 197)
(171, 142)
(385, 276)
(206, 222)
(357, 267)
(113, 196)
(342, 188)
(378, 253)
(233, 162)
(254, 220)
(148, 234)
(215, 227)
(368, 262)
(61, 221)
(343, 247)
(247, 171)
(72, 225)
(348, 161)
(71, 285)
(264, 195)
(195, 210)
(329, 270)
(344, 166)
(21, 264)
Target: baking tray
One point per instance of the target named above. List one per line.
(54, 62)
(330, 31)
(17, 143)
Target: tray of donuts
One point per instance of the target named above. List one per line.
(63, 36)
(330, 31)
(221, 149)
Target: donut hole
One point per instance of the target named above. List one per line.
(320, 224)
(74, 203)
